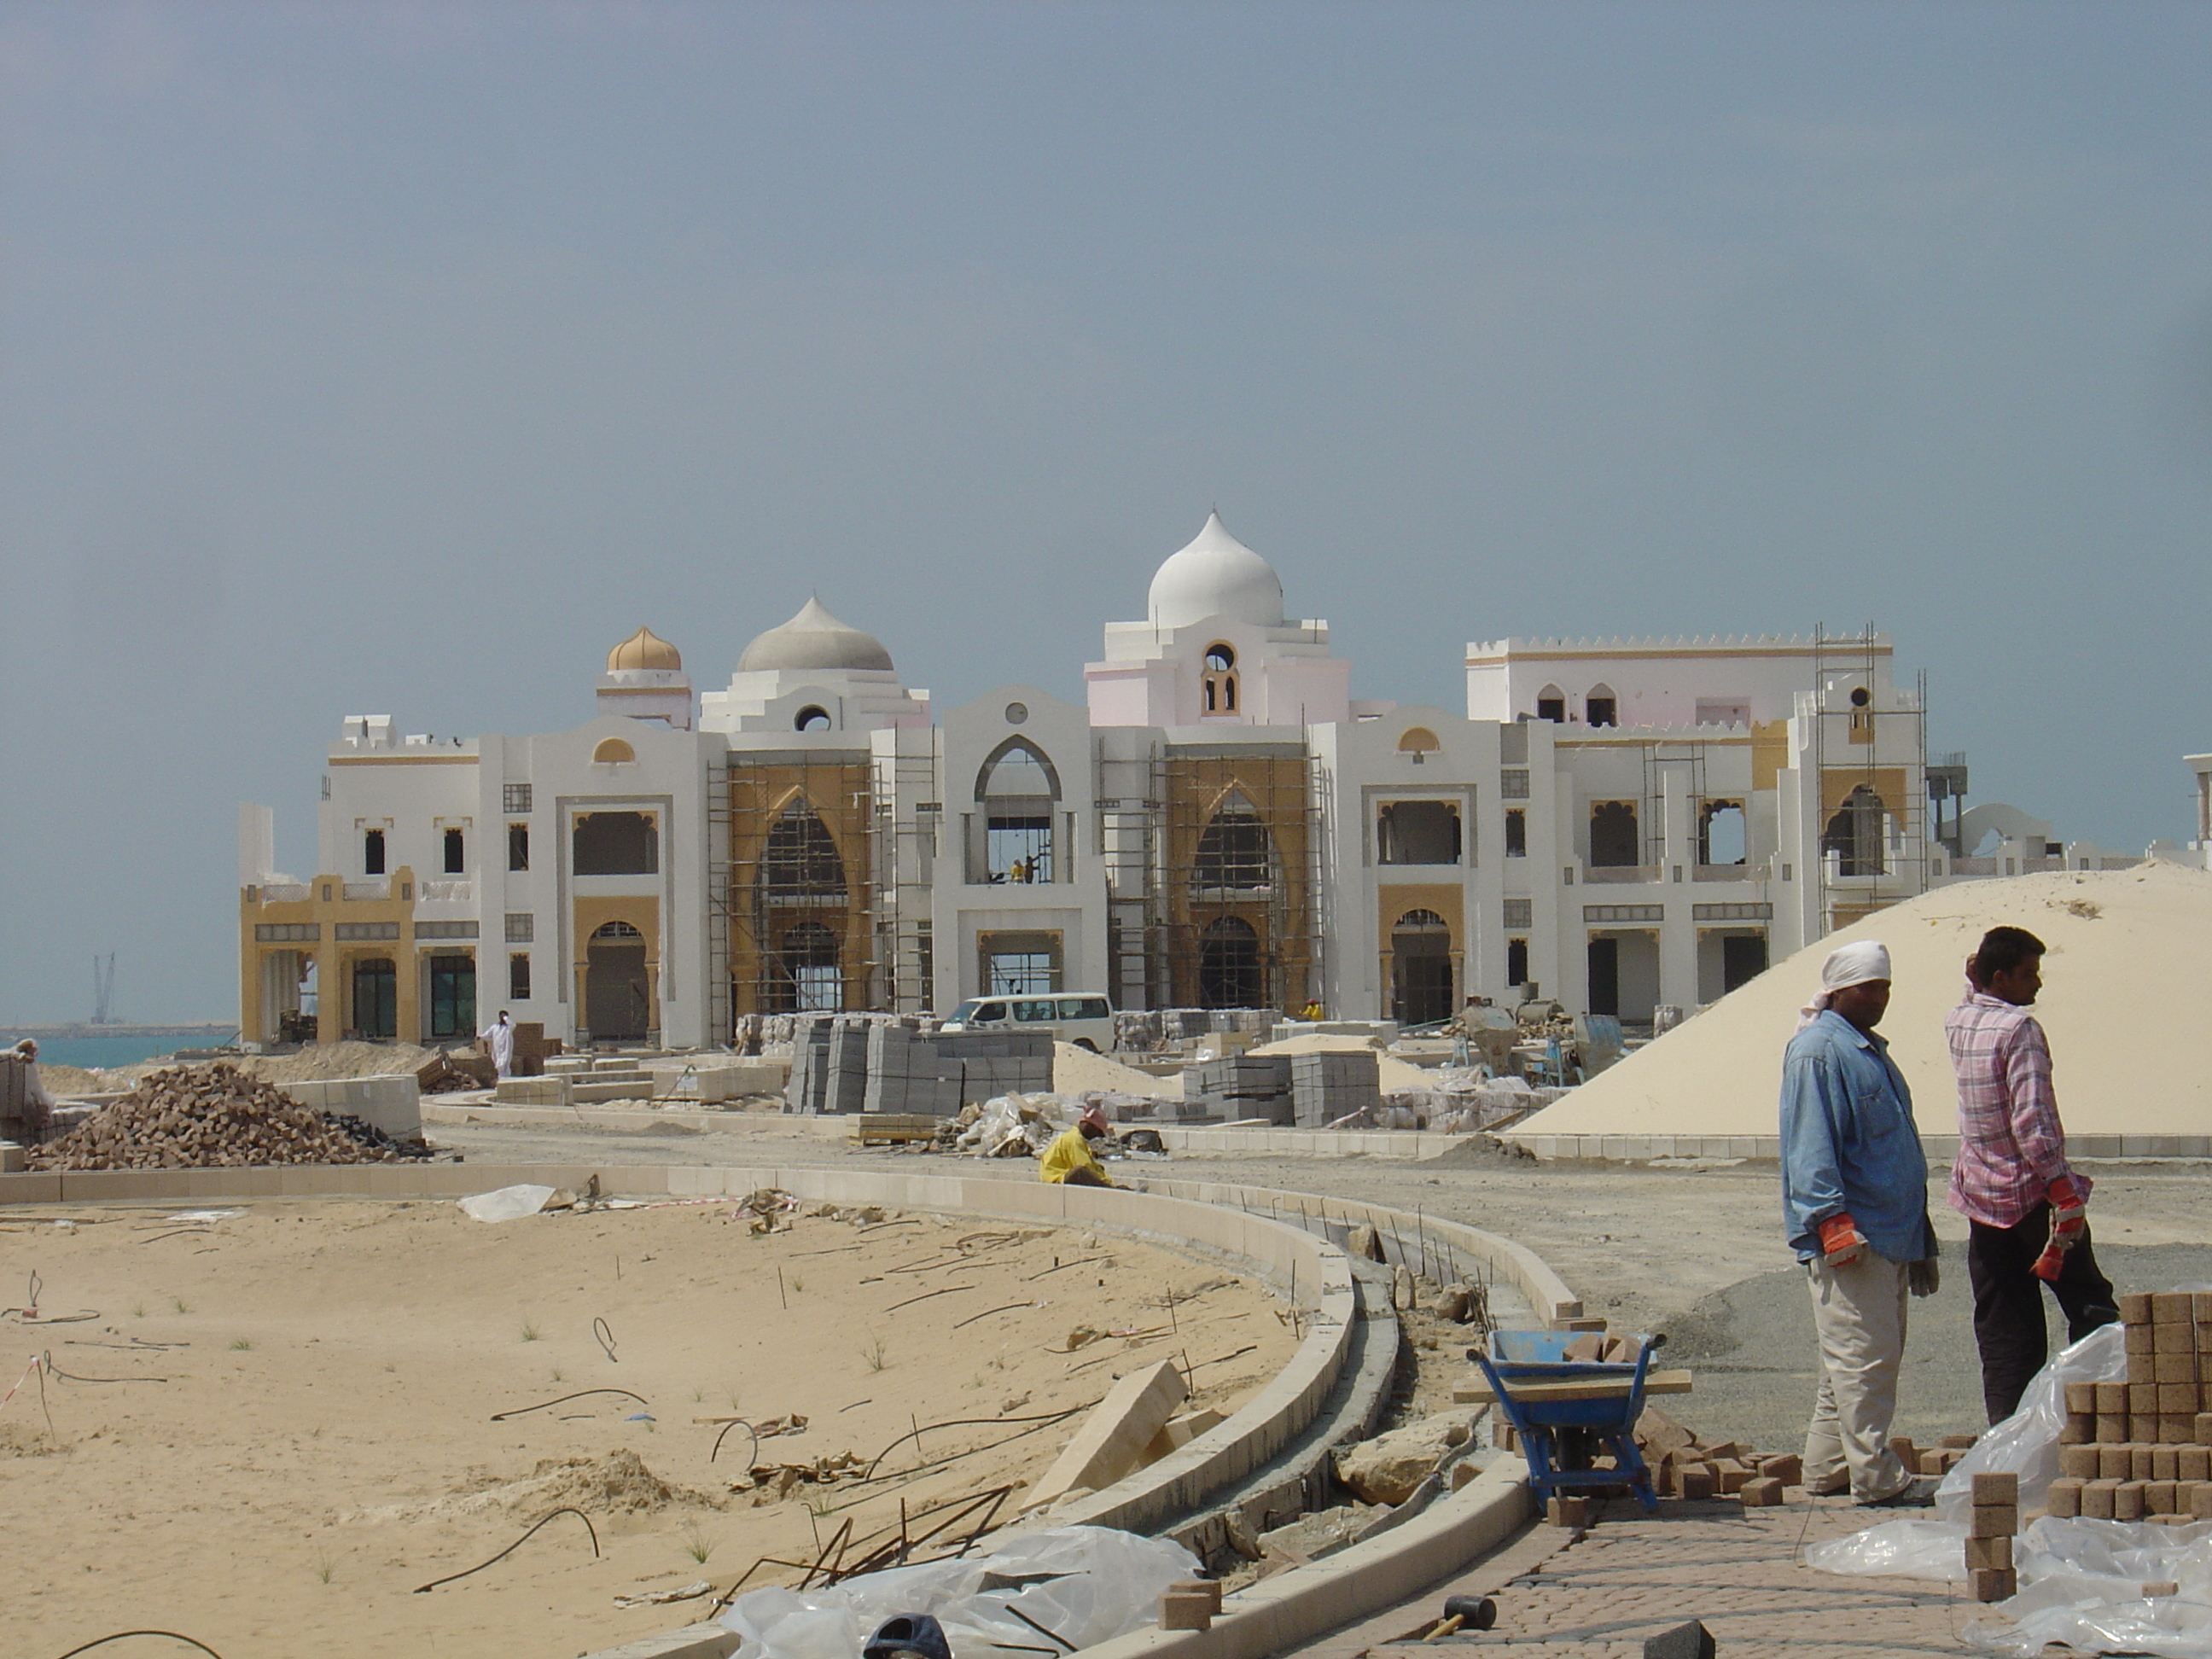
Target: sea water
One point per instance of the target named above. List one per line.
(105, 1053)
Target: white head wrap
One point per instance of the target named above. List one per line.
(1847, 965)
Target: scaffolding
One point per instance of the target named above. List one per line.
(907, 821)
(1847, 787)
(1233, 912)
(796, 917)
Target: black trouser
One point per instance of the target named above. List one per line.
(2008, 1303)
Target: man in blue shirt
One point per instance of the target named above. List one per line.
(1854, 1204)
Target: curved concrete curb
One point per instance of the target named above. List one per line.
(1291, 1607)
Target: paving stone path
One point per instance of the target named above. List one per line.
(1597, 1595)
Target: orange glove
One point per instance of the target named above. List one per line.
(1841, 1242)
(2068, 1224)
(2066, 1201)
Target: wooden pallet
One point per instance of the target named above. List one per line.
(893, 1128)
(1478, 1392)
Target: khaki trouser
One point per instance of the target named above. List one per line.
(1858, 1316)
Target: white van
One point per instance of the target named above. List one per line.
(1085, 1020)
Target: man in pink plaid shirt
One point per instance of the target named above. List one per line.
(2024, 1206)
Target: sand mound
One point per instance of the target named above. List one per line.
(201, 1117)
(1396, 1076)
(310, 1065)
(2127, 995)
(616, 1483)
(1075, 1070)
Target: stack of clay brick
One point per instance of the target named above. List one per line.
(1989, 1537)
(2141, 1449)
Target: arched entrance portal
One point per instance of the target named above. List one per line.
(1420, 968)
(1229, 973)
(617, 1003)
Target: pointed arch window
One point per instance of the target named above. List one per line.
(1018, 790)
(1601, 707)
(1234, 852)
(1551, 705)
(800, 864)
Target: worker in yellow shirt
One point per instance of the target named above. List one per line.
(1068, 1161)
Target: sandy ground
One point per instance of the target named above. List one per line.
(2127, 984)
(322, 1441)
(1695, 1252)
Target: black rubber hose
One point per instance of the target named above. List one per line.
(525, 1411)
(121, 1634)
(420, 1589)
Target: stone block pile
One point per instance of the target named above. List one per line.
(215, 1116)
(1326, 1087)
(893, 1065)
(1244, 1086)
(2141, 1449)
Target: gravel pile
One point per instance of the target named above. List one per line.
(202, 1117)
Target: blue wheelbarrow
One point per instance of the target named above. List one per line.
(1562, 1436)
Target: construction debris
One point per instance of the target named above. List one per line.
(210, 1117)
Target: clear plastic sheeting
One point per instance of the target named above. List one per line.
(1084, 1585)
(1917, 1548)
(505, 1203)
(2083, 1586)
(2027, 1443)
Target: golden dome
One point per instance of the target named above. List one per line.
(644, 649)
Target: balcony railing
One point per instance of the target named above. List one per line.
(1625, 873)
(446, 892)
(285, 892)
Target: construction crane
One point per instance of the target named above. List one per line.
(103, 989)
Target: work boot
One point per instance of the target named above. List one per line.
(1917, 1493)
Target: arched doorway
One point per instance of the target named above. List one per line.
(1855, 833)
(617, 1001)
(1228, 971)
(807, 980)
(1420, 968)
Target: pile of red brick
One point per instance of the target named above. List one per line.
(1684, 1466)
(195, 1117)
(2141, 1449)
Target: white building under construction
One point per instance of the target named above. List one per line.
(1623, 823)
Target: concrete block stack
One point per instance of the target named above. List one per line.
(907, 1075)
(808, 1090)
(391, 1104)
(1244, 1086)
(845, 1088)
(857, 1065)
(2141, 1449)
(992, 1063)
(1325, 1087)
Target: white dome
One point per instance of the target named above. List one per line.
(815, 639)
(1216, 576)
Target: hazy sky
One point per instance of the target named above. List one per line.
(401, 358)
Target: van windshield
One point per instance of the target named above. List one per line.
(966, 1010)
